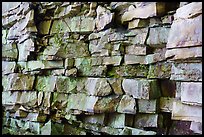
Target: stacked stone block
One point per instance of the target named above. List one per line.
(101, 68)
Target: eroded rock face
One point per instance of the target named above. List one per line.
(19, 81)
(186, 71)
(188, 15)
(81, 102)
(146, 11)
(141, 89)
(104, 18)
(45, 83)
(186, 112)
(101, 68)
(191, 93)
(97, 87)
(107, 104)
(146, 120)
(127, 105)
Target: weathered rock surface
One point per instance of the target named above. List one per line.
(165, 104)
(158, 36)
(82, 102)
(190, 36)
(116, 85)
(135, 131)
(98, 87)
(160, 70)
(127, 105)
(141, 88)
(184, 53)
(147, 106)
(185, 112)
(66, 84)
(18, 81)
(45, 83)
(115, 60)
(95, 119)
(186, 72)
(101, 68)
(196, 127)
(191, 92)
(146, 120)
(149, 10)
(107, 104)
(120, 120)
(9, 51)
(134, 59)
(137, 36)
(128, 71)
(104, 18)
(136, 50)
(8, 67)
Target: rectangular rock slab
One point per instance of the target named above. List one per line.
(138, 23)
(114, 60)
(189, 11)
(18, 81)
(8, 67)
(10, 51)
(66, 84)
(191, 93)
(141, 88)
(188, 36)
(81, 102)
(127, 105)
(95, 119)
(97, 87)
(117, 120)
(147, 106)
(116, 85)
(150, 10)
(107, 104)
(185, 112)
(184, 53)
(128, 71)
(79, 24)
(136, 50)
(160, 70)
(66, 49)
(158, 36)
(10, 98)
(134, 59)
(45, 83)
(186, 72)
(137, 36)
(28, 98)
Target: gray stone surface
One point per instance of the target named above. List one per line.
(185, 112)
(127, 105)
(149, 10)
(98, 87)
(191, 92)
(186, 72)
(8, 67)
(147, 106)
(141, 88)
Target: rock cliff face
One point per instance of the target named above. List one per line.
(102, 68)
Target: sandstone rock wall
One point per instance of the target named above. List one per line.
(102, 68)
